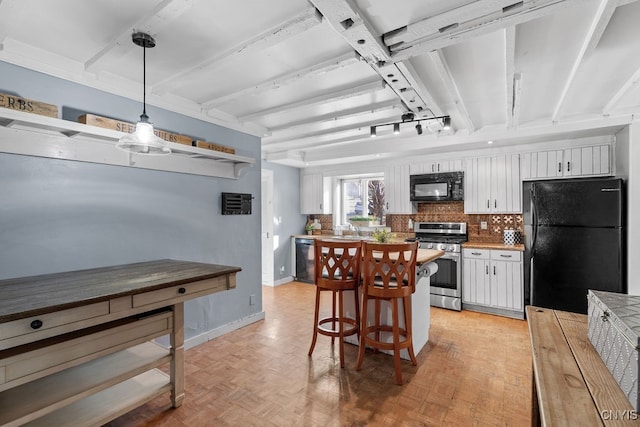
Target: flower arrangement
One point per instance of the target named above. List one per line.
(381, 235)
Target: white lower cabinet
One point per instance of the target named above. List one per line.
(492, 281)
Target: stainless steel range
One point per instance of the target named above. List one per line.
(446, 284)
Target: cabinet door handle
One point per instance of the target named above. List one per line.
(433, 168)
(488, 203)
(494, 270)
(438, 167)
(486, 269)
(36, 324)
(476, 253)
(495, 203)
(387, 205)
(568, 166)
(182, 290)
(505, 256)
(559, 166)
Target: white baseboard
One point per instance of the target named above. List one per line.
(283, 281)
(224, 329)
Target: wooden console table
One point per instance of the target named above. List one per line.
(76, 349)
(571, 384)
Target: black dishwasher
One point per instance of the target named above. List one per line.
(304, 260)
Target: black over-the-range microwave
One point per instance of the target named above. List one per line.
(437, 187)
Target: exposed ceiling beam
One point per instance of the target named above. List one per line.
(624, 89)
(338, 115)
(292, 77)
(517, 99)
(445, 74)
(509, 67)
(388, 145)
(271, 141)
(155, 20)
(466, 22)
(345, 17)
(600, 20)
(328, 97)
(273, 36)
(416, 83)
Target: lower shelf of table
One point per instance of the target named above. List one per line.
(108, 404)
(101, 377)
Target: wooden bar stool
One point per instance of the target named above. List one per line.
(337, 269)
(389, 274)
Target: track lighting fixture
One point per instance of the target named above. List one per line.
(409, 117)
(143, 140)
(446, 123)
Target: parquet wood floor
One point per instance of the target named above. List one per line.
(474, 371)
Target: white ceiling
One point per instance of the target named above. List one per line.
(311, 77)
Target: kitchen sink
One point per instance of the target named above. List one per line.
(351, 237)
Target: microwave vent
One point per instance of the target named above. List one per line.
(236, 204)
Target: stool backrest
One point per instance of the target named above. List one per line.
(337, 263)
(389, 269)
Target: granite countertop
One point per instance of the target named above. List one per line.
(499, 246)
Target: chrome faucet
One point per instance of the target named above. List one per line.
(355, 229)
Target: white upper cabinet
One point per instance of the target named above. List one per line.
(396, 189)
(436, 167)
(492, 184)
(571, 162)
(315, 196)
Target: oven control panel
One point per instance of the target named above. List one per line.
(447, 247)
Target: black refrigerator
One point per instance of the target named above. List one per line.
(574, 241)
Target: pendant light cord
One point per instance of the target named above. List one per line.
(144, 80)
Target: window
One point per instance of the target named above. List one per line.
(362, 196)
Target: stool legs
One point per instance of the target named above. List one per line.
(394, 328)
(337, 321)
(315, 322)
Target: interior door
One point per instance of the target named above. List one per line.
(267, 227)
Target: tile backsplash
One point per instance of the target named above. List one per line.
(446, 212)
(454, 212)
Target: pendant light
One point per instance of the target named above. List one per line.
(143, 140)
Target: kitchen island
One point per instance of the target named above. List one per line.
(420, 303)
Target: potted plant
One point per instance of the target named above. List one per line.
(364, 221)
(309, 228)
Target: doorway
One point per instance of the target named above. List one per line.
(267, 226)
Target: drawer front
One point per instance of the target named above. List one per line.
(182, 292)
(40, 362)
(39, 325)
(471, 253)
(497, 255)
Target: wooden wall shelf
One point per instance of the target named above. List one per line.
(41, 136)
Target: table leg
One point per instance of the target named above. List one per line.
(177, 356)
(535, 410)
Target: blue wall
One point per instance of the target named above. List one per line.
(58, 215)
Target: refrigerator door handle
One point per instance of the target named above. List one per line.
(534, 220)
(531, 282)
